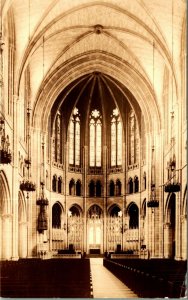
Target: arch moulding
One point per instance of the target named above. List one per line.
(62, 76)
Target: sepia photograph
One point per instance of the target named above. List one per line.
(93, 149)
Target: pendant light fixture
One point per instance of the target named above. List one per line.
(153, 202)
(172, 185)
(27, 184)
(42, 201)
(5, 153)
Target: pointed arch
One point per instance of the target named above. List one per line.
(92, 188)
(133, 213)
(78, 187)
(72, 187)
(5, 202)
(22, 211)
(118, 187)
(57, 212)
(130, 185)
(184, 212)
(143, 210)
(114, 210)
(112, 188)
(75, 210)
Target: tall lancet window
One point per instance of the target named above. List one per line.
(95, 135)
(116, 139)
(57, 140)
(133, 139)
(74, 138)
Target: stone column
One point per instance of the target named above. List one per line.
(15, 183)
(184, 237)
(85, 163)
(105, 170)
(7, 236)
(22, 239)
(178, 228)
(167, 241)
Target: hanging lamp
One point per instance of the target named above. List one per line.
(153, 202)
(172, 186)
(27, 184)
(5, 153)
(42, 201)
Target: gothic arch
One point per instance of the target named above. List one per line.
(22, 212)
(5, 202)
(170, 225)
(57, 215)
(184, 207)
(76, 209)
(133, 213)
(143, 208)
(5, 218)
(109, 62)
(96, 207)
(22, 226)
(114, 209)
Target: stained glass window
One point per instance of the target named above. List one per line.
(116, 139)
(133, 139)
(74, 138)
(95, 136)
(57, 139)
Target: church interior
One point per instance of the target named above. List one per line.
(93, 144)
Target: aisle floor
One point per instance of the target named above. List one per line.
(105, 284)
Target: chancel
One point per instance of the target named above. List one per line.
(93, 148)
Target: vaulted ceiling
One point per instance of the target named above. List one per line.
(143, 35)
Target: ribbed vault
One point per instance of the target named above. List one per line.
(119, 76)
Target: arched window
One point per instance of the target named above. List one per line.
(72, 187)
(57, 139)
(112, 188)
(136, 184)
(56, 216)
(133, 216)
(144, 209)
(59, 185)
(118, 187)
(92, 188)
(144, 181)
(78, 188)
(54, 183)
(95, 135)
(130, 185)
(98, 188)
(133, 139)
(74, 139)
(116, 139)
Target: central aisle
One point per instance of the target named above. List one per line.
(105, 284)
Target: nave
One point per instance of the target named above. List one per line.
(105, 284)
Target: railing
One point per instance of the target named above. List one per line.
(127, 256)
(116, 170)
(74, 169)
(67, 256)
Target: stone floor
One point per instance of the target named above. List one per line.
(105, 284)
